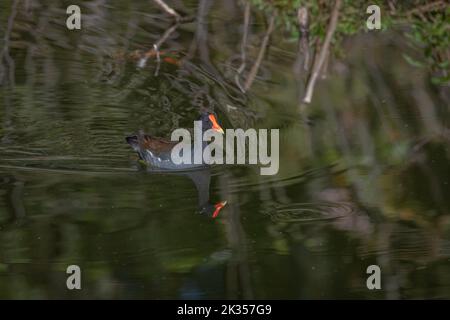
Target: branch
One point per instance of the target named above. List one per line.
(155, 51)
(323, 52)
(168, 9)
(262, 50)
(166, 35)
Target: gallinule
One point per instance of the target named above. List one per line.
(156, 152)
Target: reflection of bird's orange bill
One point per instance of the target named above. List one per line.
(218, 207)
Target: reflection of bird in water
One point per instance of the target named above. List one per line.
(156, 152)
(202, 179)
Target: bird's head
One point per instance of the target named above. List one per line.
(209, 121)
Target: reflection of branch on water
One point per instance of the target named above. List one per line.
(155, 51)
(167, 9)
(158, 45)
(200, 43)
(243, 46)
(158, 60)
(303, 45)
(14, 200)
(321, 54)
(262, 50)
(4, 55)
(165, 36)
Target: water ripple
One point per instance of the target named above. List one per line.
(310, 212)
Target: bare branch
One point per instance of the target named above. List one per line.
(168, 9)
(158, 60)
(166, 35)
(155, 51)
(318, 64)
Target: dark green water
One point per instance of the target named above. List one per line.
(366, 183)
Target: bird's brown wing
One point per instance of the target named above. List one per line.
(156, 145)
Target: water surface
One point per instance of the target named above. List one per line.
(365, 182)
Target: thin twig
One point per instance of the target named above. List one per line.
(166, 35)
(253, 72)
(156, 49)
(243, 46)
(168, 9)
(323, 52)
(158, 44)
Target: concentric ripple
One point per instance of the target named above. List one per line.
(310, 212)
